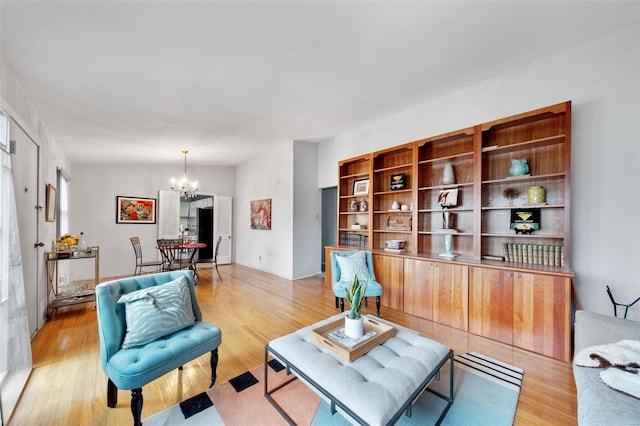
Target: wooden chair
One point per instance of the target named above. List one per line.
(157, 264)
(215, 256)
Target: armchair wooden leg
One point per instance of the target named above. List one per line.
(214, 366)
(378, 305)
(136, 406)
(342, 304)
(337, 305)
(112, 394)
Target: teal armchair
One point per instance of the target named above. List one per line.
(344, 264)
(131, 368)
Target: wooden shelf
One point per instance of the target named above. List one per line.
(513, 179)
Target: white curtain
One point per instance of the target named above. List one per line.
(15, 345)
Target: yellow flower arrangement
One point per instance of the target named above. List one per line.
(66, 241)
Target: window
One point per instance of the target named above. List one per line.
(63, 203)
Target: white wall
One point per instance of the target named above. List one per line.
(601, 78)
(267, 176)
(92, 204)
(307, 210)
(16, 102)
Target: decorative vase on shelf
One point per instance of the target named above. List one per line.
(519, 167)
(395, 206)
(536, 195)
(353, 327)
(448, 177)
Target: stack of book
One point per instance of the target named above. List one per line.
(533, 254)
(355, 240)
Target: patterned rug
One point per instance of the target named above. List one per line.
(486, 393)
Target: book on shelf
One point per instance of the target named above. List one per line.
(533, 254)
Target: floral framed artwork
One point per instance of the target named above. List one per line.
(361, 187)
(135, 210)
(51, 203)
(261, 214)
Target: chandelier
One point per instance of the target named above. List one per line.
(184, 187)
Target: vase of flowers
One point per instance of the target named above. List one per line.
(353, 324)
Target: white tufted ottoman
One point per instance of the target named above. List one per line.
(375, 389)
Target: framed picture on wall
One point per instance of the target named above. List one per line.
(51, 203)
(135, 210)
(261, 214)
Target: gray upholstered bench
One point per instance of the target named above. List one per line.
(375, 389)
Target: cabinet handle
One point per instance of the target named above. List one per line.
(518, 276)
(509, 274)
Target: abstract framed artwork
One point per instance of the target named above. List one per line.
(135, 210)
(261, 214)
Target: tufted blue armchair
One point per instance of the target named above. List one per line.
(135, 367)
(338, 283)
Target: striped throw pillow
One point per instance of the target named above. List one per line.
(154, 312)
(352, 265)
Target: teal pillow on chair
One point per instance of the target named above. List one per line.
(154, 312)
(352, 265)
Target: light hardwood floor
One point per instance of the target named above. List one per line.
(67, 385)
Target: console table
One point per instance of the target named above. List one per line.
(57, 296)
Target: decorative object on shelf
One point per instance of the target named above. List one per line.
(405, 208)
(519, 167)
(50, 203)
(447, 219)
(510, 193)
(66, 242)
(537, 195)
(361, 187)
(395, 206)
(448, 177)
(399, 223)
(353, 325)
(525, 221)
(261, 214)
(185, 187)
(364, 205)
(395, 244)
(358, 227)
(397, 182)
(353, 205)
(448, 198)
(135, 210)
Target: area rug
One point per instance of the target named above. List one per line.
(486, 392)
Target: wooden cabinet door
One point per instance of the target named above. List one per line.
(491, 304)
(541, 321)
(390, 274)
(451, 295)
(418, 288)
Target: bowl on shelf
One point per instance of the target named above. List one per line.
(395, 244)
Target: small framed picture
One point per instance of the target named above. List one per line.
(51, 203)
(397, 182)
(361, 187)
(525, 221)
(135, 210)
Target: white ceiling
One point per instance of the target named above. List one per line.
(138, 81)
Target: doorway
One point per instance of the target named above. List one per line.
(329, 219)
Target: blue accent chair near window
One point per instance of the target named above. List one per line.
(135, 367)
(341, 280)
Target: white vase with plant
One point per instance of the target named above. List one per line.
(353, 324)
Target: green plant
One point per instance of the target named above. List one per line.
(355, 296)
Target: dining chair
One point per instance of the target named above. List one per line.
(215, 256)
(171, 252)
(157, 264)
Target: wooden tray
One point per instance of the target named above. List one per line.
(383, 333)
